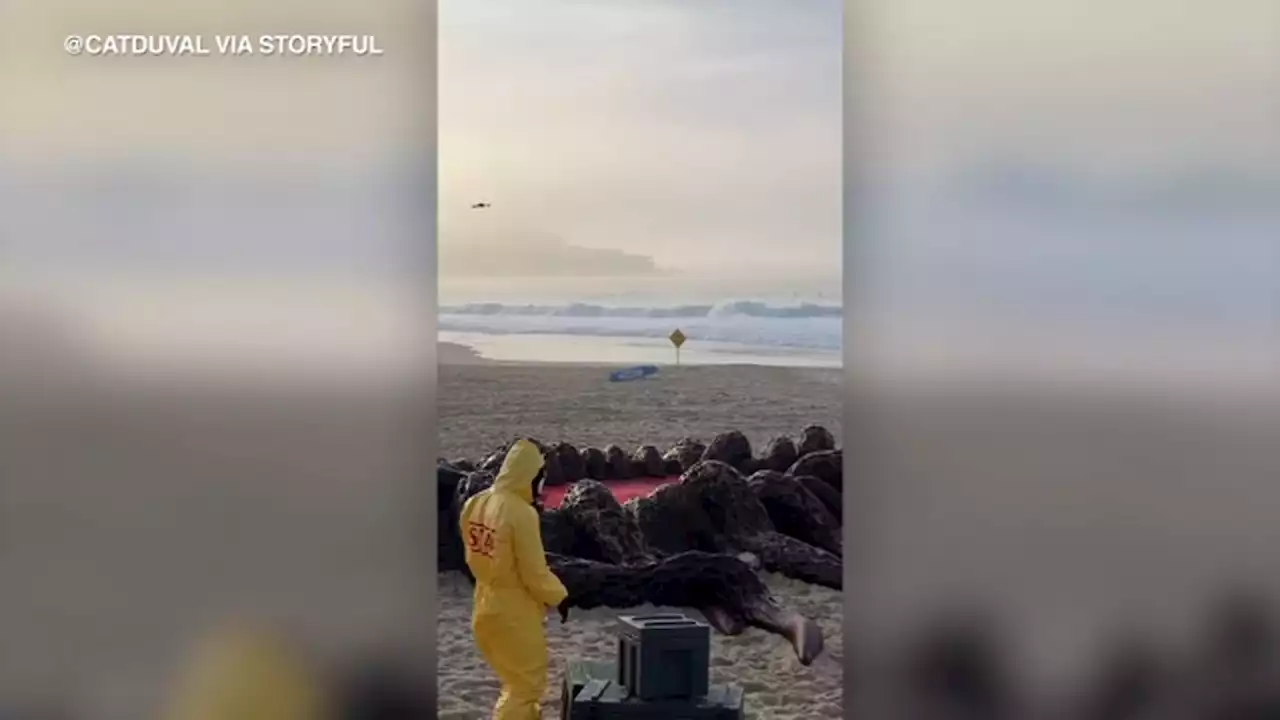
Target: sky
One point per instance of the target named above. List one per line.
(218, 210)
(1018, 157)
(1150, 83)
(641, 138)
(124, 169)
(1000, 128)
(648, 138)
(1059, 184)
(613, 138)
(209, 113)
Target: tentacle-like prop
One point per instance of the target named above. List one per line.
(723, 587)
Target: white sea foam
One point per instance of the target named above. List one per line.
(746, 322)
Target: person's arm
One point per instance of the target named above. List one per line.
(531, 560)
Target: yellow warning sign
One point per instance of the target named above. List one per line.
(677, 338)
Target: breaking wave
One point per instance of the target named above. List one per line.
(760, 324)
(745, 308)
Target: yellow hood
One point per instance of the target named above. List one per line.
(520, 467)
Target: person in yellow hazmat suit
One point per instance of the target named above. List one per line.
(243, 673)
(514, 587)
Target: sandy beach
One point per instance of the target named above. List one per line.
(481, 404)
(776, 684)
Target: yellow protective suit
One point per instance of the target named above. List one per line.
(514, 586)
(240, 674)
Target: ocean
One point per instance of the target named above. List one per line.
(806, 334)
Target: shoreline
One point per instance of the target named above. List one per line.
(453, 353)
(963, 378)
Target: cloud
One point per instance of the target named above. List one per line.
(532, 255)
(690, 133)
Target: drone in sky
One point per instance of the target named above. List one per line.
(480, 205)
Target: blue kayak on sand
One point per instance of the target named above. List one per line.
(633, 373)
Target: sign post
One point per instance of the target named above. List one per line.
(677, 338)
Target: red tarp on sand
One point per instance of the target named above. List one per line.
(624, 490)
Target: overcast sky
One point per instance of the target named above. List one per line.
(1117, 85)
(689, 136)
(668, 135)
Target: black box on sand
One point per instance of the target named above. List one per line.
(663, 656)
